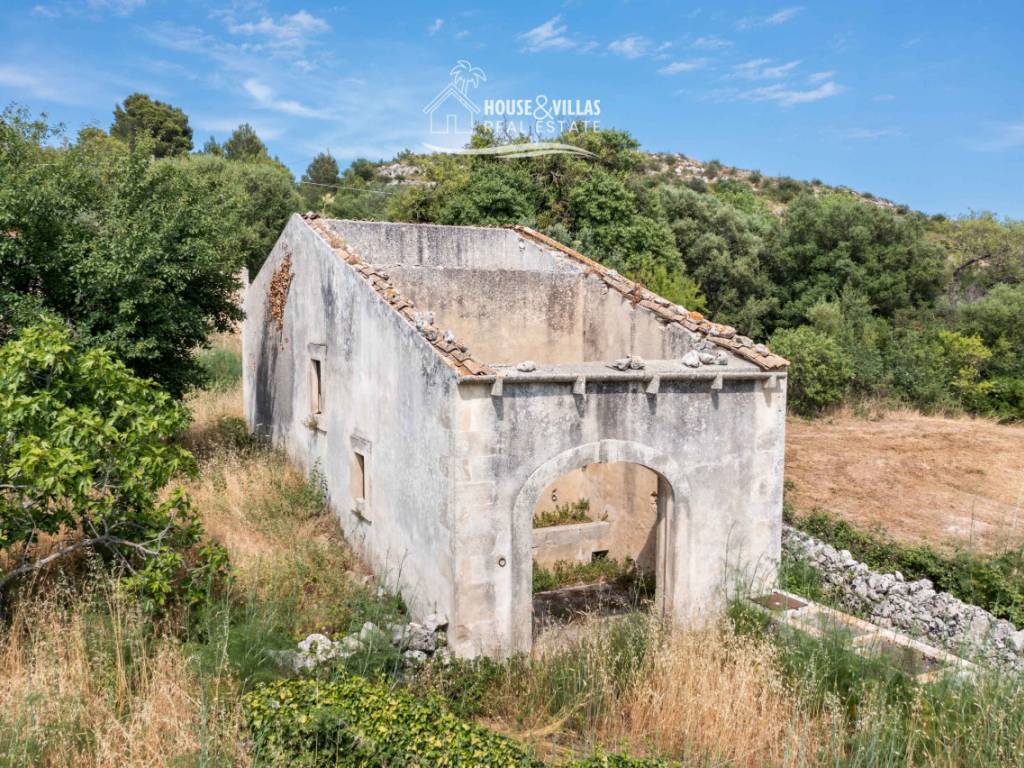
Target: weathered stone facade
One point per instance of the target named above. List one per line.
(441, 378)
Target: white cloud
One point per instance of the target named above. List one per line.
(817, 77)
(868, 134)
(287, 36)
(759, 69)
(293, 27)
(226, 125)
(677, 67)
(549, 36)
(710, 43)
(781, 16)
(999, 137)
(788, 97)
(89, 7)
(631, 46)
(434, 28)
(37, 87)
(265, 97)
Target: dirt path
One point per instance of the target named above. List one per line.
(920, 478)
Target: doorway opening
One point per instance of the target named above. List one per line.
(597, 544)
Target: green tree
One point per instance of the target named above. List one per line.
(830, 242)
(139, 256)
(725, 251)
(497, 192)
(244, 144)
(255, 201)
(818, 369)
(165, 125)
(983, 252)
(321, 178)
(213, 147)
(87, 454)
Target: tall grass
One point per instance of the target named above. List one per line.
(87, 681)
(711, 697)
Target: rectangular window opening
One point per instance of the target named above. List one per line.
(358, 476)
(315, 389)
(600, 554)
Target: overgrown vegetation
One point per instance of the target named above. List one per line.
(140, 255)
(564, 514)
(993, 582)
(85, 464)
(599, 570)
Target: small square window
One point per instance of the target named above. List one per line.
(600, 554)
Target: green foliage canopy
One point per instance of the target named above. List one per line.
(86, 450)
(140, 255)
(164, 125)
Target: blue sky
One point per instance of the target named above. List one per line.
(919, 102)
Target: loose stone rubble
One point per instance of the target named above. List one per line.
(889, 600)
(418, 643)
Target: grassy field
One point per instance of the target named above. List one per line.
(87, 680)
(949, 482)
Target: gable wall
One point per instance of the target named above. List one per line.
(383, 387)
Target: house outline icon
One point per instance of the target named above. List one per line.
(450, 119)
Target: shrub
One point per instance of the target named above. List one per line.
(564, 514)
(819, 369)
(355, 722)
(87, 454)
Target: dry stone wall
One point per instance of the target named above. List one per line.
(914, 607)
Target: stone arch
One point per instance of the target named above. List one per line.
(673, 525)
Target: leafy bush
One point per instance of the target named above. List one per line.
(621, 761)
(141, 256)
(355, 722)
(87, 453)
(819, 369)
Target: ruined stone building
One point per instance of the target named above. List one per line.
(449, 383)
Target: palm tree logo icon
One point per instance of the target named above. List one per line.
(464, 74)
(452, 111)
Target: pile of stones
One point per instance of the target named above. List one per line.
(417, 641)
(914, 607)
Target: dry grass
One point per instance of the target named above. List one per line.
(944, 481)
(717, 694)
(87, 686)
(709, 696)
(281, 539)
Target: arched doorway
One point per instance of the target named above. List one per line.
(658, 477)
